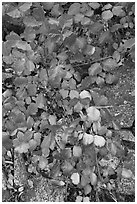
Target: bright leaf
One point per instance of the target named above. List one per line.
(74, 94)
(93, 114)
(107, 15)
(77, 151)
(75, 178)
(86, 199)
(126, 173)
(85, 94)
(22, 148)
(87, 139)
(93, 178)
(43, 162)
(74, 9)
(52, 119)
(99, 141)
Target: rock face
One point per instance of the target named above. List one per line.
(42, 190)
(20, 174)
(46, 192)
(127, 185)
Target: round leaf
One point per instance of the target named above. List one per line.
(77, 151)
(93, 114)
(126, 173)
(107, 15)
(93, 178)
(85, 94)
(74, 9)
(74, 94)
(75, 178)
(99, 141)
(87, 139)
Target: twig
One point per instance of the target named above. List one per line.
(91, 62)
(101, 107)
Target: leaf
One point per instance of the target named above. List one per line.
(93, 178)
(30, 65)
(74, 9)
(20, 81)
(15, 13)
(106, 7)
(56, 11)
(47, 5)
(38, 13)
(33, 144)
(73, 94)
(95, 69)
(77, 151)
(40, 101)
(116, 56)
(102, 130)
(88, 139)
(37, 137)
(62, 56)
(87, 189)
(43, 76)
(25, 6)
(78, 107)
(69, 40)
(113, 149)
(105, 37)
(19, 66)
(79, 199)
(118, 11)
(23, 45)
(93, 114)
(12, 37)
(57, 73)
(87, 82)
(22, 148)
(43, 162)
(72, 84)
(80, 42)
(75, 178)
(27, 135)
(111, 78)
(78, 17)
(30, 21)
(85, 21)
(129, 43)
(64, 93)
(45, 145)
(94, 5)
(85, 94)
(96, 27)
(109, 64)
(32, 89)
(126, 173)
(20, 118)
(89, 50)
(99, 141)
(107, 15)
(52, 119)
(86, 199)
(100, 81)
(84, 180)
(66, 167)
(32, 109)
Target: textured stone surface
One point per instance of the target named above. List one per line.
(46, 192)
(43, 190)
(20, 174)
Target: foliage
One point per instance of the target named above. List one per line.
(51, 109)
